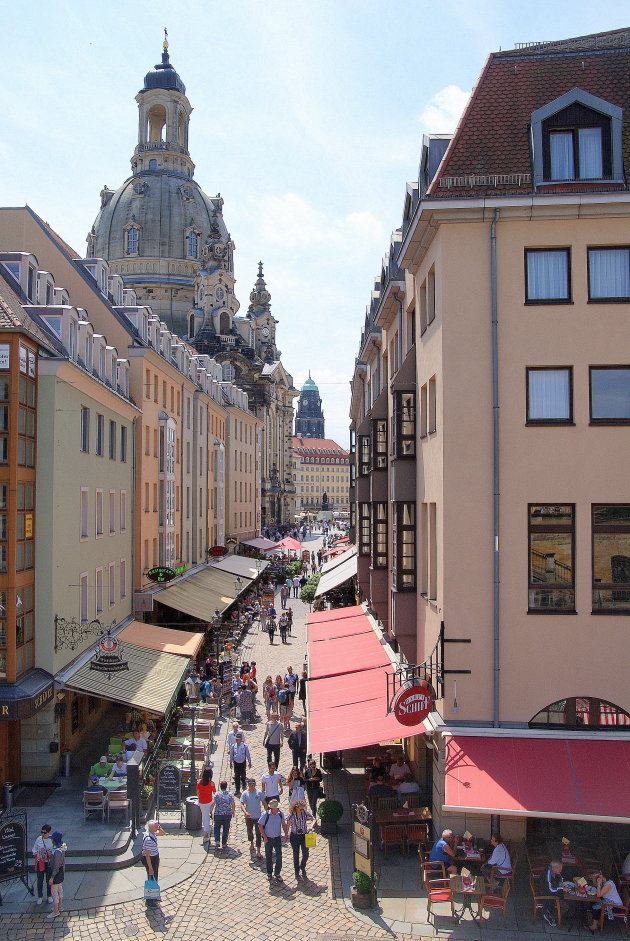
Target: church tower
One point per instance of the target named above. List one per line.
(153, 228)
(309, 418)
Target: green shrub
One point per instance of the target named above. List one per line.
(308, 592)
(361, 882)
(330, 811)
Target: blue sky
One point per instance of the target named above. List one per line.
(308, 119)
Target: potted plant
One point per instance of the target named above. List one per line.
(329, 813)
(146, 796)
(362, 892)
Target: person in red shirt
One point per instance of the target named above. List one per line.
(205, 794)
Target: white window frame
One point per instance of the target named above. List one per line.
(123, 511)
(84, 511)
(83, 598)
(123, 579)
(111, 584)
(98, 591)
(98, 509)
(112, 512)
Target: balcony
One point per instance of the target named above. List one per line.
(160, 145)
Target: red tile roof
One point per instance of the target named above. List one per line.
(493, 136)
(317, 444)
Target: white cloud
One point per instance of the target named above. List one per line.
(444, 110)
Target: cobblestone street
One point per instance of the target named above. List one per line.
(229, 896)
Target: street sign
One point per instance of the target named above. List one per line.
(413, 705)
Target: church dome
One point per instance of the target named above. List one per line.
(163, 76)
(309, 385)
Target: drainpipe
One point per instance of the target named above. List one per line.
(495, 471)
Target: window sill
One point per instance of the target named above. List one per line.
(548, 303)
(609, 421)
(83, 538)
(608, 612)
(553, 611)
(554, 422)
(609, 300)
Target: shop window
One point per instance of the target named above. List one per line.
(551, 558)
(611, 558)
(580, 712)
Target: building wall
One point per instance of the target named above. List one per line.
(242, 490)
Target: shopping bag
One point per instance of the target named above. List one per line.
(152, 890)
(310, 840)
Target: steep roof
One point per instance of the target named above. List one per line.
(14, 317)
(317, 444)
(493, 137)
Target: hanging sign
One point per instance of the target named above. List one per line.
(161, 574)
(413, 705)
(217, 551)
(108, 658)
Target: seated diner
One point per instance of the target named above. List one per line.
(607, 897)
(499, 865)
(378, 788)
(101, 769)
(119, 770)
(399, 769)
(444, 850)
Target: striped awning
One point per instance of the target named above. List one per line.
(202, 594)
(152, 681)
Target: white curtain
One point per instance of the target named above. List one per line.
(561, 152)
(609, 272)
(590, 145)
(548, 394)
(547, 276)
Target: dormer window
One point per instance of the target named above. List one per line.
(577, 137)
(192, 244)
(132, 240)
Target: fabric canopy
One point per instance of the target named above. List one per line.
(338, 560)
(241, 565)
(151, 682)
(161, 638)
(347, 688)
(292, 545)
(337, 576)
(259, 543)
(539, 777)
(202, 594)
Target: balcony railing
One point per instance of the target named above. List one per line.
(160, 145)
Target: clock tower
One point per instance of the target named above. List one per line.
(264, 325)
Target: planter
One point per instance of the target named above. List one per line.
(328, 828)
(361, 899)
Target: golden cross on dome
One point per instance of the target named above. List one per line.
(165, 43)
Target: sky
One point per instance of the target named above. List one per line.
(308, 119)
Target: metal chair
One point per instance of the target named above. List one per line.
(392, 835)
(439, 890)
(490, 901)
(118, 800)
(94, 802)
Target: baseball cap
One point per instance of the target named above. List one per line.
(95, 779)
(103, 759)
(239, 735)
(274, 803)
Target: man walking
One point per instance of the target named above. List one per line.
(239, 755)
(223, 810)
(296, 586)
(252, 804)
(283, 624)
(271, 627)
(272, 739)
(271, 825)
(271, 784)
(297, 744)
(291, 679)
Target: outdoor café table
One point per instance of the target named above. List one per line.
(470, 856)
(468, 892)
(415, 815)
(186, 744)
(116, 784)
(571, 893)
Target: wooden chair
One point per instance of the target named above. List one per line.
(619, 912)
(118, 800)
(413, 801)
(417, 833)
(541, 900)
(392, 835)
(94, 802)
(432, 871)
(490, 901)
(439, 890)
(386, 803)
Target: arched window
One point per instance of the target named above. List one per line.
(132, 241)
(582, 712)
(157, 123)
(192, 244)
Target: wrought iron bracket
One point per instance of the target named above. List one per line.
(70, 633)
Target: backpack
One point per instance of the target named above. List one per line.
(283, 697)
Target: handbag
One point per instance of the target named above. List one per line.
(152, 890)
(310, 840)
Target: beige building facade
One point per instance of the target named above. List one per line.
(321, 471)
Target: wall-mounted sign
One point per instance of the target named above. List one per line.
(217, 551)
(142, 601)
(28, 525)
(108, 657)
(160, 574)
(5, 356)
(413, 705)
(231, 541)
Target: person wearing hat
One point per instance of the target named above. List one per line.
(252, 804)
(298, 822)
(271, 825)
(95, 787)
(102, 768)
(57, 873)
(42, 852)
(239, 757)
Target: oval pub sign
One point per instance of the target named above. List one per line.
(413, 705)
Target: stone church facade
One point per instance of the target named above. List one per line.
(169, 242)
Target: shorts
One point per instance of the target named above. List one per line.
(285, 710)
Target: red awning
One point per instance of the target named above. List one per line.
(347, 689)
(539, 777)
(335, 614)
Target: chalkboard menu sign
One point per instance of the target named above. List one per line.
(12, 850)
(169, 785)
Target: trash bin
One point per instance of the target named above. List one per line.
(8, 795)
(193, 814)
(66, 763)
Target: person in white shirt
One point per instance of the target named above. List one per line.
(499, 865)
(407, 786)
(399, 769)
(236, 730)
(271, 784)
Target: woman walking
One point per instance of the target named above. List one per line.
(270, 696)
(302, 690)
(42, 851)
(313, 783)
(298, 821)
(57, 873)
(206, 790)
(223, 807)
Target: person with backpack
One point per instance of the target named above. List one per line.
(271, 824)
(57, 873)
(271, 627)
(283, 624)
(284, 704)
(223, 806)
(272, 739)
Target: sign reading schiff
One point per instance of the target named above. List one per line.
(413, 705)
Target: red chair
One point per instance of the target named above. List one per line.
(495, 901)
(432, 871)
(439, 890)
(417, 833)
(619, 912)
(392, 835)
